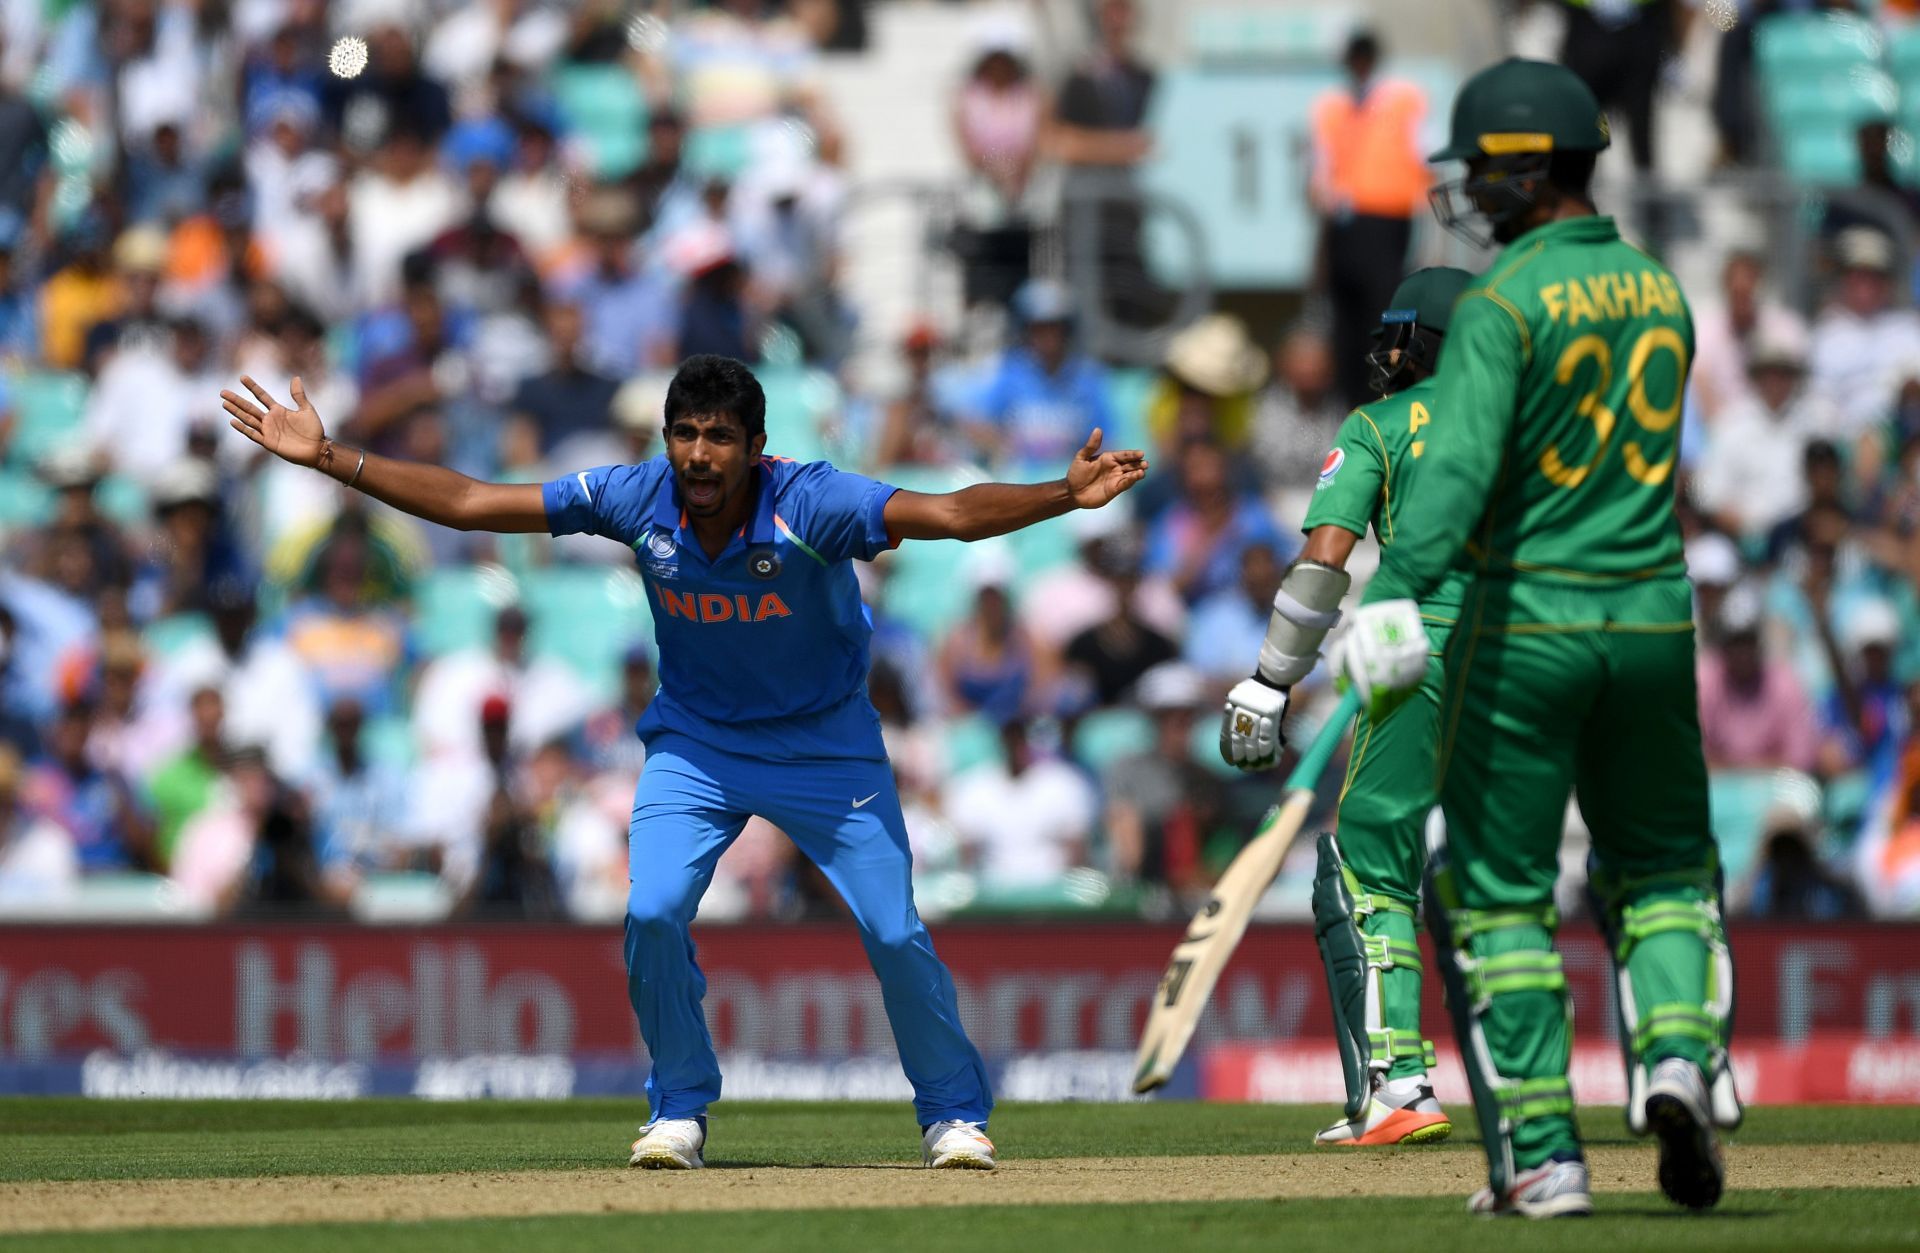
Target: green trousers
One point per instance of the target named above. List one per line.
(1551, 690)
(1384, 804)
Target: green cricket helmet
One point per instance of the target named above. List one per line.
(1508, 122)
(1407, 341)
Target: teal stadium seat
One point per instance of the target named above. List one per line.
(454, 606)
(388, 741)
(1790, 44)
(606, 112)
(1903, 56)
(587, 616)
(48, 407)
(1106, 736)
(797, 399)
(927, 587)
(970, 741)
(1127, 393)
(1821, 156)
(25, 502)
(718, 151)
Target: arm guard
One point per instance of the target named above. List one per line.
(1305, 608)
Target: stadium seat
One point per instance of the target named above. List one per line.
(1823, 156)
(388, 741)
(1045, 546)
(797, 399)
(47, 412)
(718, 151)
(454, 606)
(169, 635)
(1127, 393)
(1845, 100)
(25, 502)
(587, 616)
(970, 741)
(1108, 735)
(1741, 802)
(122, 499)
(606, 112)
(1808, 43)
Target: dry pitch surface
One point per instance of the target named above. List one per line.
(238, 1174)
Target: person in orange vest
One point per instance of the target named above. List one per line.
(1369, 180)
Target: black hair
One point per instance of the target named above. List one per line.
(1363, 46)
(710, 384)
(1571, 173)
(1820, 452)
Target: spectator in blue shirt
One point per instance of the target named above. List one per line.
(1042, 399)
(1227, 627)
(358, 803)
(1198, 541)
(632, 312)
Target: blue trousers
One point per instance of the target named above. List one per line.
(844, 816)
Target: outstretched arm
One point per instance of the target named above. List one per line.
(985, 509)
(430, 492)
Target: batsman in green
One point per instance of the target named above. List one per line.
(1366, 890)
(1572, 666)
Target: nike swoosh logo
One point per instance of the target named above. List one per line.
(860, 803)
(584, 488)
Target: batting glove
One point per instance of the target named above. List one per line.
(1251, 735)
(1383, 655)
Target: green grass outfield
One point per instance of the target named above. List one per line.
(43, 1140)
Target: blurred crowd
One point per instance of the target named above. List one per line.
(227, 683)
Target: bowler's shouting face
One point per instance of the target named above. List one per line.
(711, 458)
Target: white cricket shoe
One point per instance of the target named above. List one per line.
(956, 1145)
(670, 1144)
(1557, 1189)
(1681, 1114)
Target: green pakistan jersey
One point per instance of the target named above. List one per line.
(1561, 380)
(1368, 476)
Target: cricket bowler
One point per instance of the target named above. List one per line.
(1366, 889)
(1572, 666)
(762, 706)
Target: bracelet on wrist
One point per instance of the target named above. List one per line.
(356, 469)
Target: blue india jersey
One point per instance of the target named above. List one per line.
(763, 649)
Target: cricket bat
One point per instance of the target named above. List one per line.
(1216, 930)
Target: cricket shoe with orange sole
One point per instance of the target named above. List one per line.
(1411, 1118)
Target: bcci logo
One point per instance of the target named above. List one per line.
(763, 563)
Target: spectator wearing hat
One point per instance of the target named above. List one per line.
(630, 312)
(1725, 331)
(1713, 567)
(1163, 807)
(1024, 818)
(73, 472)
(99, 809)
(184, 784)
(1369, 182)
(1750, 477)
(1042, 398)
(193, 549)
(38, 861)
(1789, 882)
(1860, 337)
(1206, 387)
(282, 162)
(1754, 715)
